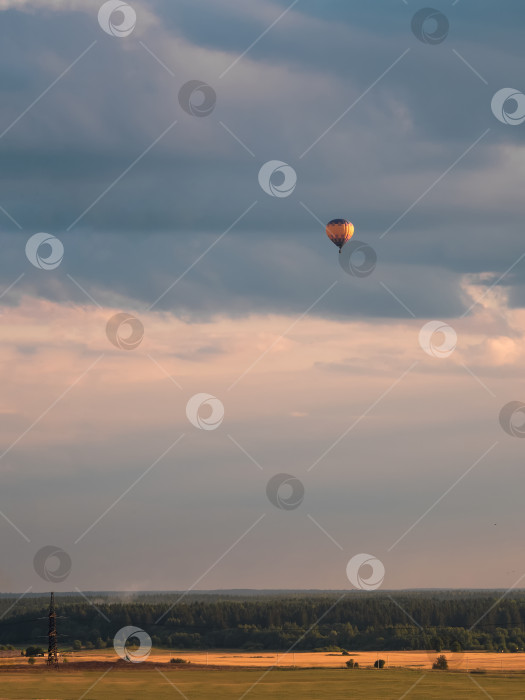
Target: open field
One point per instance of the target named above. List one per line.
(488, 661)
(204, 684)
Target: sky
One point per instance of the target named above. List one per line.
(156, 461)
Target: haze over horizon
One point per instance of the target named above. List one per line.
(321, 374)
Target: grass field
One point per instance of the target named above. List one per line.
(317, 684)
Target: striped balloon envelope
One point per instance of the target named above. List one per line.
(339, 231)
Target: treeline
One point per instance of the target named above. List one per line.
(434, 621)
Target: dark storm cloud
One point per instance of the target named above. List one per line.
(370, 167)
(244, 274)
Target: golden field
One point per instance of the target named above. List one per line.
(467, 661)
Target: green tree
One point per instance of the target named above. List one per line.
(34, 651)
(77, 645)
(379, 663)
(437, 643)
(441, 663)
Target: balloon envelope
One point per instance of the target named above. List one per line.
(339, 231)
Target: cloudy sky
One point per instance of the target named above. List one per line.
(323, 376)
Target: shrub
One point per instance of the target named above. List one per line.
(177, 660)
(345, 653)
(77, 645)
(31, 660)
(352, 664)
(34, 651)
(379, 663)
(441, 663)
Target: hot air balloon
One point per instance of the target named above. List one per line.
(339, 231)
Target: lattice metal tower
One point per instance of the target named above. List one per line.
(52, 654)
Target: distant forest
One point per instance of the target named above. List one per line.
(322, 621)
